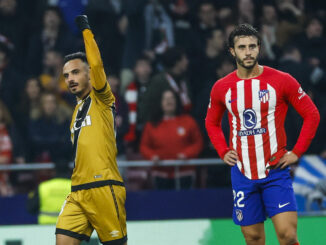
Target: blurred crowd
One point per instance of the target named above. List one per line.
(162, 58)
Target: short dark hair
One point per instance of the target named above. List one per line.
(78, 55)
(171, 56)
(243, 30)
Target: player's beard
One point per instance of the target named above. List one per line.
(242, 63)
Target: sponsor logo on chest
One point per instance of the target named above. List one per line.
(77, 124)
(250, 122)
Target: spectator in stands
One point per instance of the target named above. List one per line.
(203, 70)
(48, 198)
(134, 45)
(312, 39)
(10, 79)
(15, 26)
(175, 63)
(109, 25)
(134, 96)
(268, 26)
(52, 79)
(69, 10)
(182, 17)
(291, 62)
(246, 12)
(53, 35)
(10, 148)
(171, 135)
(291, 20)
(207, 15)
(48, 134)
(207, 21)
(137, 178)
(228, 29)
(29, 107)
(159, 33)
(311, 44)
(225, 16)
(121, 113)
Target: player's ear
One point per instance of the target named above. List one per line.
(231, 50)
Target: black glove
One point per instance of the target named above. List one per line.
(82, 22)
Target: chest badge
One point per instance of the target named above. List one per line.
(263, 95)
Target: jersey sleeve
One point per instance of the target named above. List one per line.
(306, 109)
(215, 111)
(98, 78)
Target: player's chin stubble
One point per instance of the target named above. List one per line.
(241, 63)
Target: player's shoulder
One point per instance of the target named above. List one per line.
(279, 79)
(228, 78)
(92, 94)
(103, 97)
(96, 102)
(269, 71)
(226, 81)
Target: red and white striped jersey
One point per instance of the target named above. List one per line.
(256, 111)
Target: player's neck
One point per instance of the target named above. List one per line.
(244, 73)
(83, 95)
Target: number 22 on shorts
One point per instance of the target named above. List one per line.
(237, 199)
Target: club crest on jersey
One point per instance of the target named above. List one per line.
(263, 95)
(238, 212)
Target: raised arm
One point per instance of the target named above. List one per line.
(98, 77)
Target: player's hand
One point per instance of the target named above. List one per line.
(82, 22)
(286, 160)
(231, 158)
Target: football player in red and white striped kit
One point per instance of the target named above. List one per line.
(257, 98)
